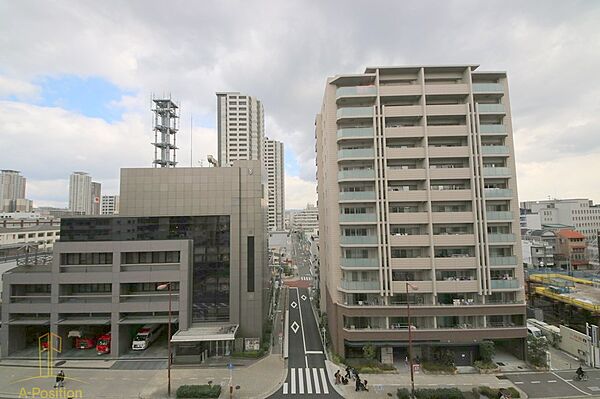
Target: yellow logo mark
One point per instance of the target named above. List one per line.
(53, 343)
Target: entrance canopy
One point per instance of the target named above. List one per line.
(206, 333)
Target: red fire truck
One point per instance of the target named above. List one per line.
(103, 344)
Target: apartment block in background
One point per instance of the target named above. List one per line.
(109, 205)
(80, 193)
(12, 189)
(96, 195)
(274, 165)
(417, 194)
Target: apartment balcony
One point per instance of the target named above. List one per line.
(404, 131)
(409, 240)
(358, 218)
(408, 218)
(360, 196)
(497, 172)
(360, 263)
(411, 263)
(352, 91)
(451, 195)
(407, 196)
(457, 285)
(495, 150)
(391, 111)
(505, 284)
(449, 152)
(456, 263)
(456, 88)
(498, 193)
(358, 240)
(501, 238)
(356, 174)
(491, 108)
(488, 88)
(450, 173)
(400, 90)
(399, 287)
(452, 217)
(406, 174)
(454, 239)
(355, 113)
(502, 215)
(405, 153)
(493, 130)
(447, 131)
(503, 260)
(356, 153)
(448, 109)
(361, 286)
(355, 133)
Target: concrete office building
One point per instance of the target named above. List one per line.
(417, 190)
(80, 193)
(275, 166)
(14, 238)
(306, 220)
(109, 205)
(12, 188)
(241, 127)
(581, 213)
(201, 229)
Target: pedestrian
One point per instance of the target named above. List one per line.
(365, 386)
(357, 388)
(348, 369)
(338, 377)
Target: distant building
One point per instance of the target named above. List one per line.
(95, 197)
(306, 220)
(14, 237)
(537, 254)
(110, 205)
(571, 251)
(80, 193)
(275, 166)
(12, 189)
(581, 213)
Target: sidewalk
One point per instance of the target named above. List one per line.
(68, 364)
(382, 385)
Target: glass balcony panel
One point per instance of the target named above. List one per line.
(358, 240)
(494, 215)
(359, 262)
(492, 129)
(356, 174)
(501, 237)
(356, 153)
(357, 195)
(356, 91)
(497, 108)
(488, 88)
(498, 193)
(499, 171)
(355, 112)
(505, 284)
(355, 132)
(494, 149)
(503, 260)
(358, 217)
(360, 285)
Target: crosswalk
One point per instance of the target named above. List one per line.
(306, 278)
(306, 381)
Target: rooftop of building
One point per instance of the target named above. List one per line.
(569, 233)
(28, 229)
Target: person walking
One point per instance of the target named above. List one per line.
(357, 385)
(348, 375)
(338, 377)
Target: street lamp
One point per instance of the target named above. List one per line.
(410, 357)
(163, 287)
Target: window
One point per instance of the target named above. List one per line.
(129, 258)
(88, 258)
(250, 259)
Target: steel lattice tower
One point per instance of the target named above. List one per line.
(166, 113)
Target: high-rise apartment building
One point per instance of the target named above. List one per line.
(241, 129)
(306, 220)
(417, 201)
(109, 205)
(96, 195)
(80, 193)
(12, 188)
(274, 165)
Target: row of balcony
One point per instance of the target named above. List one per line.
(97, 298)
(372, 217)
(391, 90)
(394, 111)
(423, 240)
(427, 286)
(419, 131)
(467, 262)
(421, 173)
(419, 152)
(421, 195)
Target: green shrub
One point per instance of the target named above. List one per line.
(485, 365)
(369, 351)
(337, 359)
(249, 354)
(438, 393)
(487, 351)
(492, 393)
(198, 391)
(438, 367)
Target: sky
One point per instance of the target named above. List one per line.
(77, 78)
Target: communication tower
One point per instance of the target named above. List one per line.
(166, 114)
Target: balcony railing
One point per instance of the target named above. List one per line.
(355, 132)
(356, 153)
(491, 108)
(358, 240)
(359, 262)
(492, 129)
(488, 88)
(498, 193)
(504, 284)
(357, 195)
(501, 237)
(356, 91)
(495, 215)
(494, 150)
(355, 112)
(360, 285)
(356, 174)
(358, 218)
(503, 260)
(498, 171)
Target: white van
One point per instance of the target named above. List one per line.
(145, 336)
(536, 332)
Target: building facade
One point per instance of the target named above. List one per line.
(109, 205)
(96, 196)
(12, 188)
(80, 193)
(571, 251)
(240, 126)
(202, 230)
(581, 213)
(14, 237)
(305, 220)
(417, 201)
(274, 165)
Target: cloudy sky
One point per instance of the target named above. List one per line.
(76, 78)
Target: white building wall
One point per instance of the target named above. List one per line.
(80, 193)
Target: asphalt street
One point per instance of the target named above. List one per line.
(557, 384)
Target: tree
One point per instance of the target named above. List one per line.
(369, 351)
(487, 351)
(536, 351)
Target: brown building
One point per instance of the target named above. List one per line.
(571, 250)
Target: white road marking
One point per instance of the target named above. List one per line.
(303, 297)
(314, 352)
(316, 380)
(324, 380)
(302, 325)
(308, 383)
(551, 380)
(285, 388)
(518, 382)
(295, 327)
(294, 304)
(293, 382)
(300, 381)
(535, 382)
(583, 392)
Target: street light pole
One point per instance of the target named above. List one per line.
(160, 288)
(410, 357)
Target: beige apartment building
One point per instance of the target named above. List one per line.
(417, 193)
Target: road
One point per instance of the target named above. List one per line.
(557, 384)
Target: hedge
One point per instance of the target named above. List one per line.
(198, 391)
(438, 393)
(249, 354)
(436, 367)
(493, 393)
